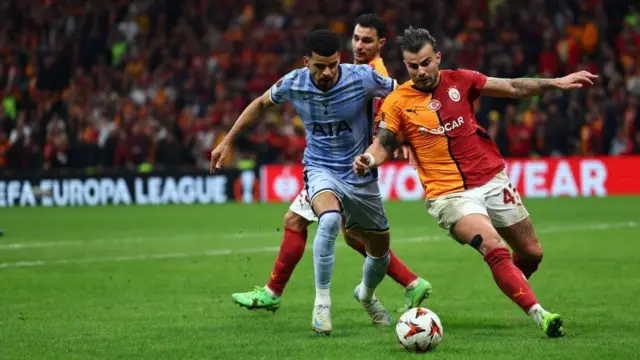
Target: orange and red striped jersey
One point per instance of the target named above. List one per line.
(453, 151)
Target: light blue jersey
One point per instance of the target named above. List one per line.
(338, 121)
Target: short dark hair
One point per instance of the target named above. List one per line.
(373, 21)
(412, 40)
(322, 42)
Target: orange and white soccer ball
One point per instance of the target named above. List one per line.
(419, 330)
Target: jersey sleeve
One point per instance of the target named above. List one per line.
(475, 80)
(378, 66)
(281, 90)
(375, 84)
(388, 117)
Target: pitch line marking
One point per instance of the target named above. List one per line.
(244, 235)
(265, 249)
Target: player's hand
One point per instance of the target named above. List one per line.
(408, 153)
(576, 80)
(361, 165)
(217, 157)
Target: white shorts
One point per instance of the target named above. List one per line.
(496, 199)
(302, 206)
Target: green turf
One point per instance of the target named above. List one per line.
(155, 283)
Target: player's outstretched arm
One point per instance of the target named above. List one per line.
(377, 153)
(248, 116)
(526, 87)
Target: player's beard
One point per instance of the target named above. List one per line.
(325, 82)
(426, 83)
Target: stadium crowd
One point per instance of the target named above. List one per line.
(92, 83)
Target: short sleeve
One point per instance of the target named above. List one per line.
(475, 79)
(375, 84)
(281, 90)
(388, 117)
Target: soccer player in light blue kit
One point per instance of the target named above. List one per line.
(332, 101)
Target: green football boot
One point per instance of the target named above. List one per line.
(552, 325)
(257, 299)
(414, 297)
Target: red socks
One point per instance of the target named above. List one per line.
(291, 252)
(527, 266)
(509, 278)
(397, 270)
(292, 249)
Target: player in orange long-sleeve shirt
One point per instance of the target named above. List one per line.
(460, 167)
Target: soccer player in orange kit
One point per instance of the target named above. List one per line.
(460, 167)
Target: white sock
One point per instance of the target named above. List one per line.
(270, 292)
(536, 313)
(323, 296)
(412, 285)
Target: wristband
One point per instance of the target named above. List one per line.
(372, 160)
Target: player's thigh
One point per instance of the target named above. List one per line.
(449, 209)
(366, 218)
(363, 207)
(301, 206)
(465, 216)
(324, 190)
(504, 204)
(477, 231)
(352, 239)
(376, 243)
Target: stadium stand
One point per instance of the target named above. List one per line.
(141, 84)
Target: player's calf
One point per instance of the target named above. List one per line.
(527, 250)
(374, 270)
(477, 231)
(528, 261)
(324, 251)
(354, 242)
(416, 289)
(291, 251)
(323, 257)
(376, 263)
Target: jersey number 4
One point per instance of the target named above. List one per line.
(509, 197)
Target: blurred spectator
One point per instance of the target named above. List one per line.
(131, 83)
(591, 135)
(621, 144)
(520, 137)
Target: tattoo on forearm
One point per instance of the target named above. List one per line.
(529, 86)
(387, 139)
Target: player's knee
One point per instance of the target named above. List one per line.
(487, 242)
(329, 223)
(376, 244)
(532, 252)
(295, 222)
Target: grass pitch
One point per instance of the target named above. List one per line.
(155, 283)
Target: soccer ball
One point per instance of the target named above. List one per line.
(419, 330)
